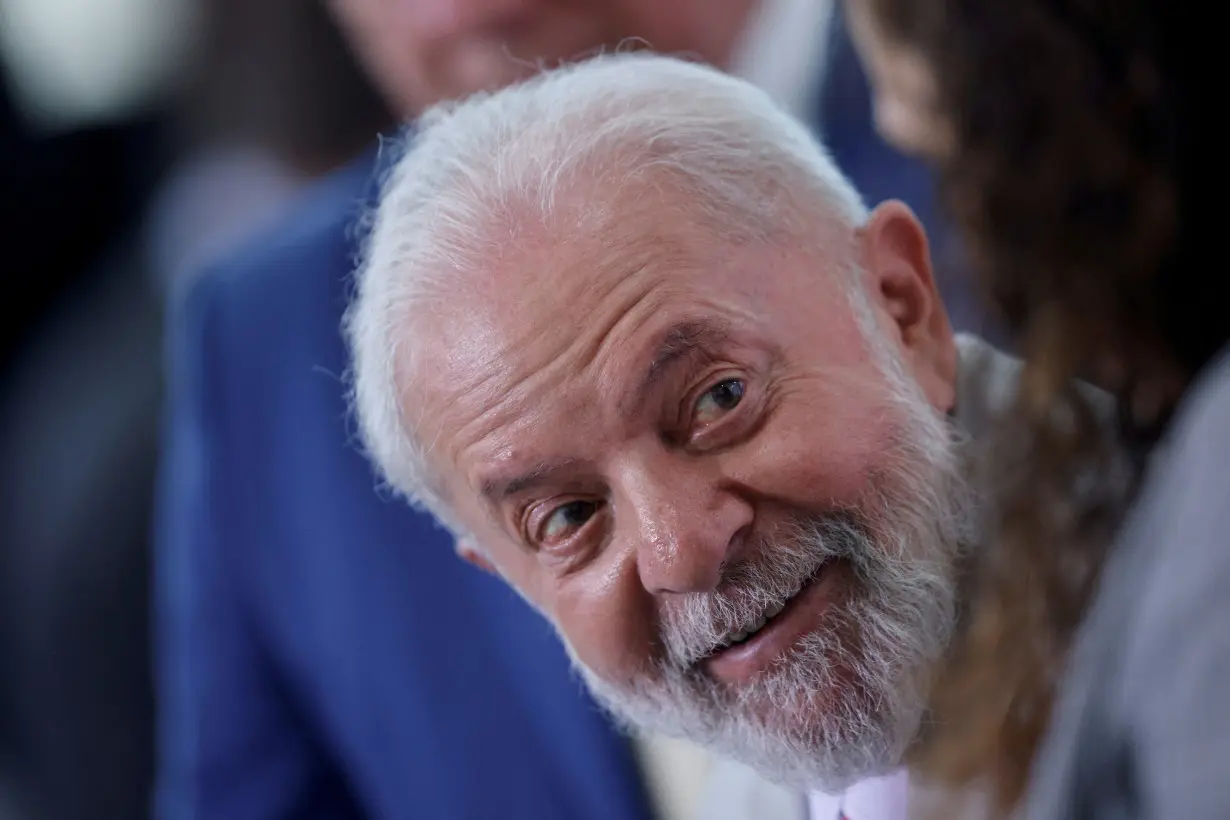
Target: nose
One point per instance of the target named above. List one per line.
(445, 17)
(687, 524)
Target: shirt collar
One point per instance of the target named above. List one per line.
(875, 798)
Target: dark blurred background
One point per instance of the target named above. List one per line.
(139, 139)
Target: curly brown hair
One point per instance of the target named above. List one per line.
(1069, 181)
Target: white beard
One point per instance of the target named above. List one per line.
(847, 701)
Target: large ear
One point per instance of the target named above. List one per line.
(468, 549)
(897, 262)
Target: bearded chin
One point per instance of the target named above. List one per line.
(829, 715)
(806, 741)
(847, 701)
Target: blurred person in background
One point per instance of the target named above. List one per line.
(82, 144)
(1094, 681)
(322, 652)
(139, 141)
(272, 100)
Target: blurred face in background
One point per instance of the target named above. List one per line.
(903, 85)
(424, 51)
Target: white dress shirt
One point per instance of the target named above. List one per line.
(877, 798)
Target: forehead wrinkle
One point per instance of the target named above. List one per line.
(616, 293)
(573, 367)
(481, 351)
(625, 274)
(595, 290)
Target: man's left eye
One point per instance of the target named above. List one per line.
(566, 519)
(719, 399)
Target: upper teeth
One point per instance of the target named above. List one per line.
(771, 612)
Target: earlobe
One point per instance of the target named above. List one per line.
(468, 549)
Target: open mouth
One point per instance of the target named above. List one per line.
(745, 635)
(755, 648)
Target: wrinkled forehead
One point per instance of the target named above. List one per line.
(547, 294)
(563, 310)
(540, 283)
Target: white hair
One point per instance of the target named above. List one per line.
(473, 169)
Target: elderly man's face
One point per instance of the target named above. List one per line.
(425, 51)
(730, 497)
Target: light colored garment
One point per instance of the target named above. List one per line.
(1142, 727)
(876, 798)
(735, 792)
(674, 772)
(898, 796)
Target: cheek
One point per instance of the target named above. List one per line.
(820, 450)
(608, 619)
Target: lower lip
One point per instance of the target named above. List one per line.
(802, 615)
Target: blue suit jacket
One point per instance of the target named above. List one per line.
(323, 653)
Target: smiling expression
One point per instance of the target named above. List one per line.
(696, 460)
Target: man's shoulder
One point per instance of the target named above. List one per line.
(987, 381)
(260, 332)
(303, 261)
